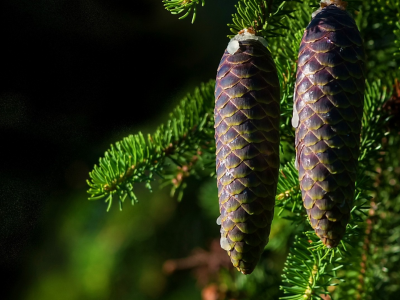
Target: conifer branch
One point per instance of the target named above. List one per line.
(184, 7)
(310, 268)
(265, 17)
(137, 159)
(373, 123)
(289, 195)
(287, 79)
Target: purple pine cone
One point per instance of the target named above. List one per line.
(329, 98)
(247, 140)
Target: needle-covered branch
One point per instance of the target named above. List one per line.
(184, 7)
(264, 16)
(288, 195)
(138, 158)
(310, 268)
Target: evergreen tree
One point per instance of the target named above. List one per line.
(365, 263)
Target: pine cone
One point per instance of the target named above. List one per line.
(329, 97)
(247, 141)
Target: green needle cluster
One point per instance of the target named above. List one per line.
(137, 158)
(184, 7)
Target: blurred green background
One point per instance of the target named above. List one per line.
(78, 75)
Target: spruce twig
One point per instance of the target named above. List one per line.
(265, 17)
(137, 159)
(183, 7)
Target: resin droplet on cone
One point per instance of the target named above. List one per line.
(247, 141)
(329, 98)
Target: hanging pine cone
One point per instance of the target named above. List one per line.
(329, 97)
(247, 141)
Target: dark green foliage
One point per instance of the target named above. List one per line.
(247, 148)
(397, 41)
(288, 196)
(264, 16)
(377, 20)
(381, 248)
(310, 269)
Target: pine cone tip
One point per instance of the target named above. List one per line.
(244, 35)
(245, 271)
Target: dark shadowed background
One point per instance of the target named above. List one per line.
(77, 75)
